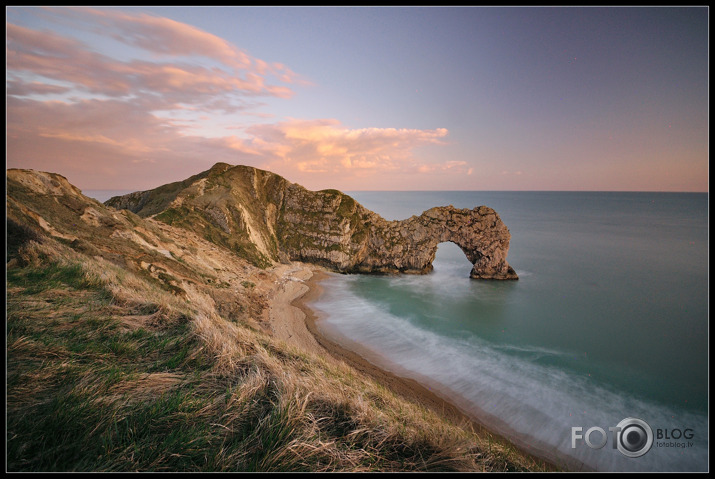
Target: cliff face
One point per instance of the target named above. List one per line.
(47, 209)
(265, 218)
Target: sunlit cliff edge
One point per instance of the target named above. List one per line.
(266, 218)
(137, 345)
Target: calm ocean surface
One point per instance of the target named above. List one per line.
(608, 321)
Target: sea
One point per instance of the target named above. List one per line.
(596, 358)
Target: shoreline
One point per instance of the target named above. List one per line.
(409, 388)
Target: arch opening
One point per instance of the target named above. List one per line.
(451, 260)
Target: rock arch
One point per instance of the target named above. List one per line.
(410, 246)
(478, 232)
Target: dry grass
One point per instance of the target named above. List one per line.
(109, 372)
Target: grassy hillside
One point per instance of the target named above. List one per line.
(257, 214)
(148, 352)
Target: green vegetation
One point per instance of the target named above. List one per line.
(107, 372)
(174, 216)
(250, 253)
(238, 242)
(158, 199)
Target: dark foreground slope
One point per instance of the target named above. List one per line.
(133, 345)
(265, 219)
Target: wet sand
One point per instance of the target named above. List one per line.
(292, 326)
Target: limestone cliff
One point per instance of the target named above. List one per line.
(265, 218)
(46, 208)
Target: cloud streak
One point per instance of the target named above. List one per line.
(107, 122)
(49, 56)
(325, 146)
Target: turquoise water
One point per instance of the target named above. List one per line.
(609, 320)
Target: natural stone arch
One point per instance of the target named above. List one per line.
(478, 232)
(410, 246)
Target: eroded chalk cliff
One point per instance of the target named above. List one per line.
(265, 218)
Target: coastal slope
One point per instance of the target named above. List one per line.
(134, 345)
(267, 219)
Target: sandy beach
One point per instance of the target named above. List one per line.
(294, 322)
(286, 321)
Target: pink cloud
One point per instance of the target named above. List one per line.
(52, 56)
(326, 146)
(128, 124)
(57, 58)
(324, 153)
(114, 145)
(106, 144)
(166, 37)
(16, 88)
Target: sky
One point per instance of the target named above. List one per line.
(363, 98)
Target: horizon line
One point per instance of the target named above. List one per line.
(449, 191)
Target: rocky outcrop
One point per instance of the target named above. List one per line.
(265, 218)
(410, 245)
